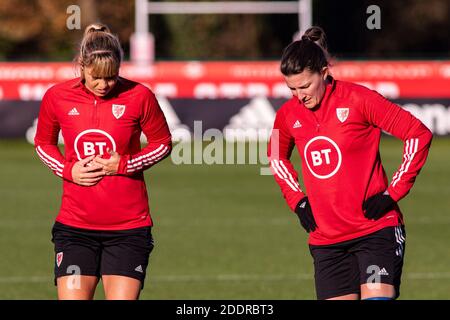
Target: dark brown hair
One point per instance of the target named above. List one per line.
(101, 50)
(309, 53)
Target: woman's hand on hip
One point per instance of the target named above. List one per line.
(86, 172)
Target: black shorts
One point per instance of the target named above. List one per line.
(97, 252)
(341, 268)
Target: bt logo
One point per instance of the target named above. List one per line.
(323, 157)
(93, 142)
(317, 157)
(90, 148)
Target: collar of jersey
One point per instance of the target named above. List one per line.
(329, 89)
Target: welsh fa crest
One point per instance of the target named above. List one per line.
(342, 114)
(118, 110)
(59, 258)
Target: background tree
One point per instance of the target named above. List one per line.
(36, 30)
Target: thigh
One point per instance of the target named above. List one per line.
(336, 272)
(76, 287)
(121, 287)
(126, 253)
(380, 258)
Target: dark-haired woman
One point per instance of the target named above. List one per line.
(356, 230)
(103, 229)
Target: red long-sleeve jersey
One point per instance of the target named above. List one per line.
(90, 125)
(341, 166)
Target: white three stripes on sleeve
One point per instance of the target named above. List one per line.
(147, 159)
(410, 151)
(283, 173)
(51, 162)
(405, 159)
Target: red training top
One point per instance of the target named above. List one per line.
(89, 125)
(338, 143)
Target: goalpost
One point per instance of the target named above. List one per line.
(143, 43)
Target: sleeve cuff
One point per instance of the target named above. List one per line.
(295, 200)
(123, 164)
(394, 195)
(67, 171)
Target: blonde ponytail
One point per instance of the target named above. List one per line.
(101, 50)
(96, 27)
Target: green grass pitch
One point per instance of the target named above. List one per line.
(221, 231)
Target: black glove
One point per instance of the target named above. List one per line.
(305, 215)
(378, 205)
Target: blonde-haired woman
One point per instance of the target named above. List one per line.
(103, 229)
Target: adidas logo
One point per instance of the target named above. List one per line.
(73, 112)
(383, 272)
(297, 124)
(139, 269)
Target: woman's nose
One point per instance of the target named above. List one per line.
(103, 84)
(300, 95)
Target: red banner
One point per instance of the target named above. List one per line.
(394, 79)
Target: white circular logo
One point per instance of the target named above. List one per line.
(93, 142)
(323, 157)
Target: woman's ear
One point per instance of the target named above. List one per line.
(325, 73)
(82, 71)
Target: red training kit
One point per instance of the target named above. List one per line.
(338, 143)
(90, 125)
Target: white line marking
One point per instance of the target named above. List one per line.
(231, 277)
